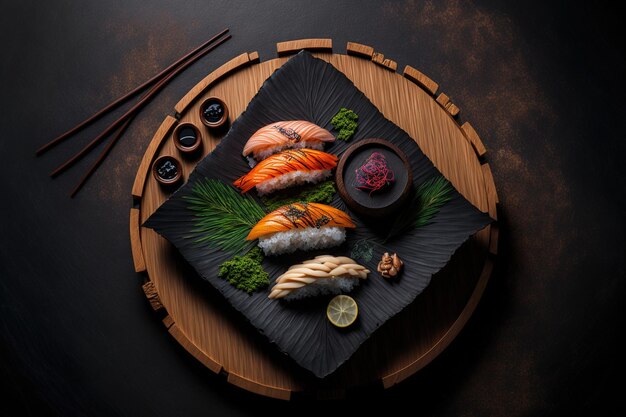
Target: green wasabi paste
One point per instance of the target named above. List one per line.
(346, 123)
(319, 193)
(245, 272)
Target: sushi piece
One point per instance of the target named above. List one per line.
(288, 168)
(324, 274)
(305, 226)
(292, 134)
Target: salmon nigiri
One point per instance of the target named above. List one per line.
(291, 134)
(291, 167)
(305, 226)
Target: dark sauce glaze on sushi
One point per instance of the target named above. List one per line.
(300, 216)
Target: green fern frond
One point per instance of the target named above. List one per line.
(224, 217)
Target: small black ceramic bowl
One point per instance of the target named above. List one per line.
(167, 170)
(187, 138)
(213, 112)
(384, 201)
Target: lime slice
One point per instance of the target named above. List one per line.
(342, 311)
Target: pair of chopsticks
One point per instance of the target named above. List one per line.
(157, 82)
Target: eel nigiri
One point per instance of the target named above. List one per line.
(324, 274)
(305, 226)
(291, 134)
(288, 168)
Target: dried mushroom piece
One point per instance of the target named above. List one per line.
(390, 265)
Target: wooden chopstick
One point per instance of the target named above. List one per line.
(125, 97)
(106, 150)
(142, 102)
(102, 156)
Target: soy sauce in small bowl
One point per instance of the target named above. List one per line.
(167, 170)
(213, 112)
(187, 138)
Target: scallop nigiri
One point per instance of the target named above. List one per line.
(288, 168)
(304, 226)
(291, 134)
(324, 274)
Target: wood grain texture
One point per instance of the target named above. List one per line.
(445, 102)
(148, 157)
(230, 66)
(207, 327)
(253, 57)
(291, 47)
(391, 64)
(492, 194)
(135, 241)
(358, 49)
(190, 347)
(168, 321)
(453, 109)
(474, 139)
(380, 59)
(152, 295)
(420, 79)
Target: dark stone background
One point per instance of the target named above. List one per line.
(543, 84)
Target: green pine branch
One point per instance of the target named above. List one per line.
(432, 196)
(224, 217)
(428, 199)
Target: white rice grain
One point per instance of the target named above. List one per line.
(292, 178)
(304, 239)
(289, 145)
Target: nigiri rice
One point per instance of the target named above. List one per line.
(302, 239)
(291, 179)
(303, 144)
(324, 274)
(288, 168)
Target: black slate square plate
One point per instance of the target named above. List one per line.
(307, 88)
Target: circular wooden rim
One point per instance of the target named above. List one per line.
(341, 186)
(491, 232)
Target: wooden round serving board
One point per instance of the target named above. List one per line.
(199, 318)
